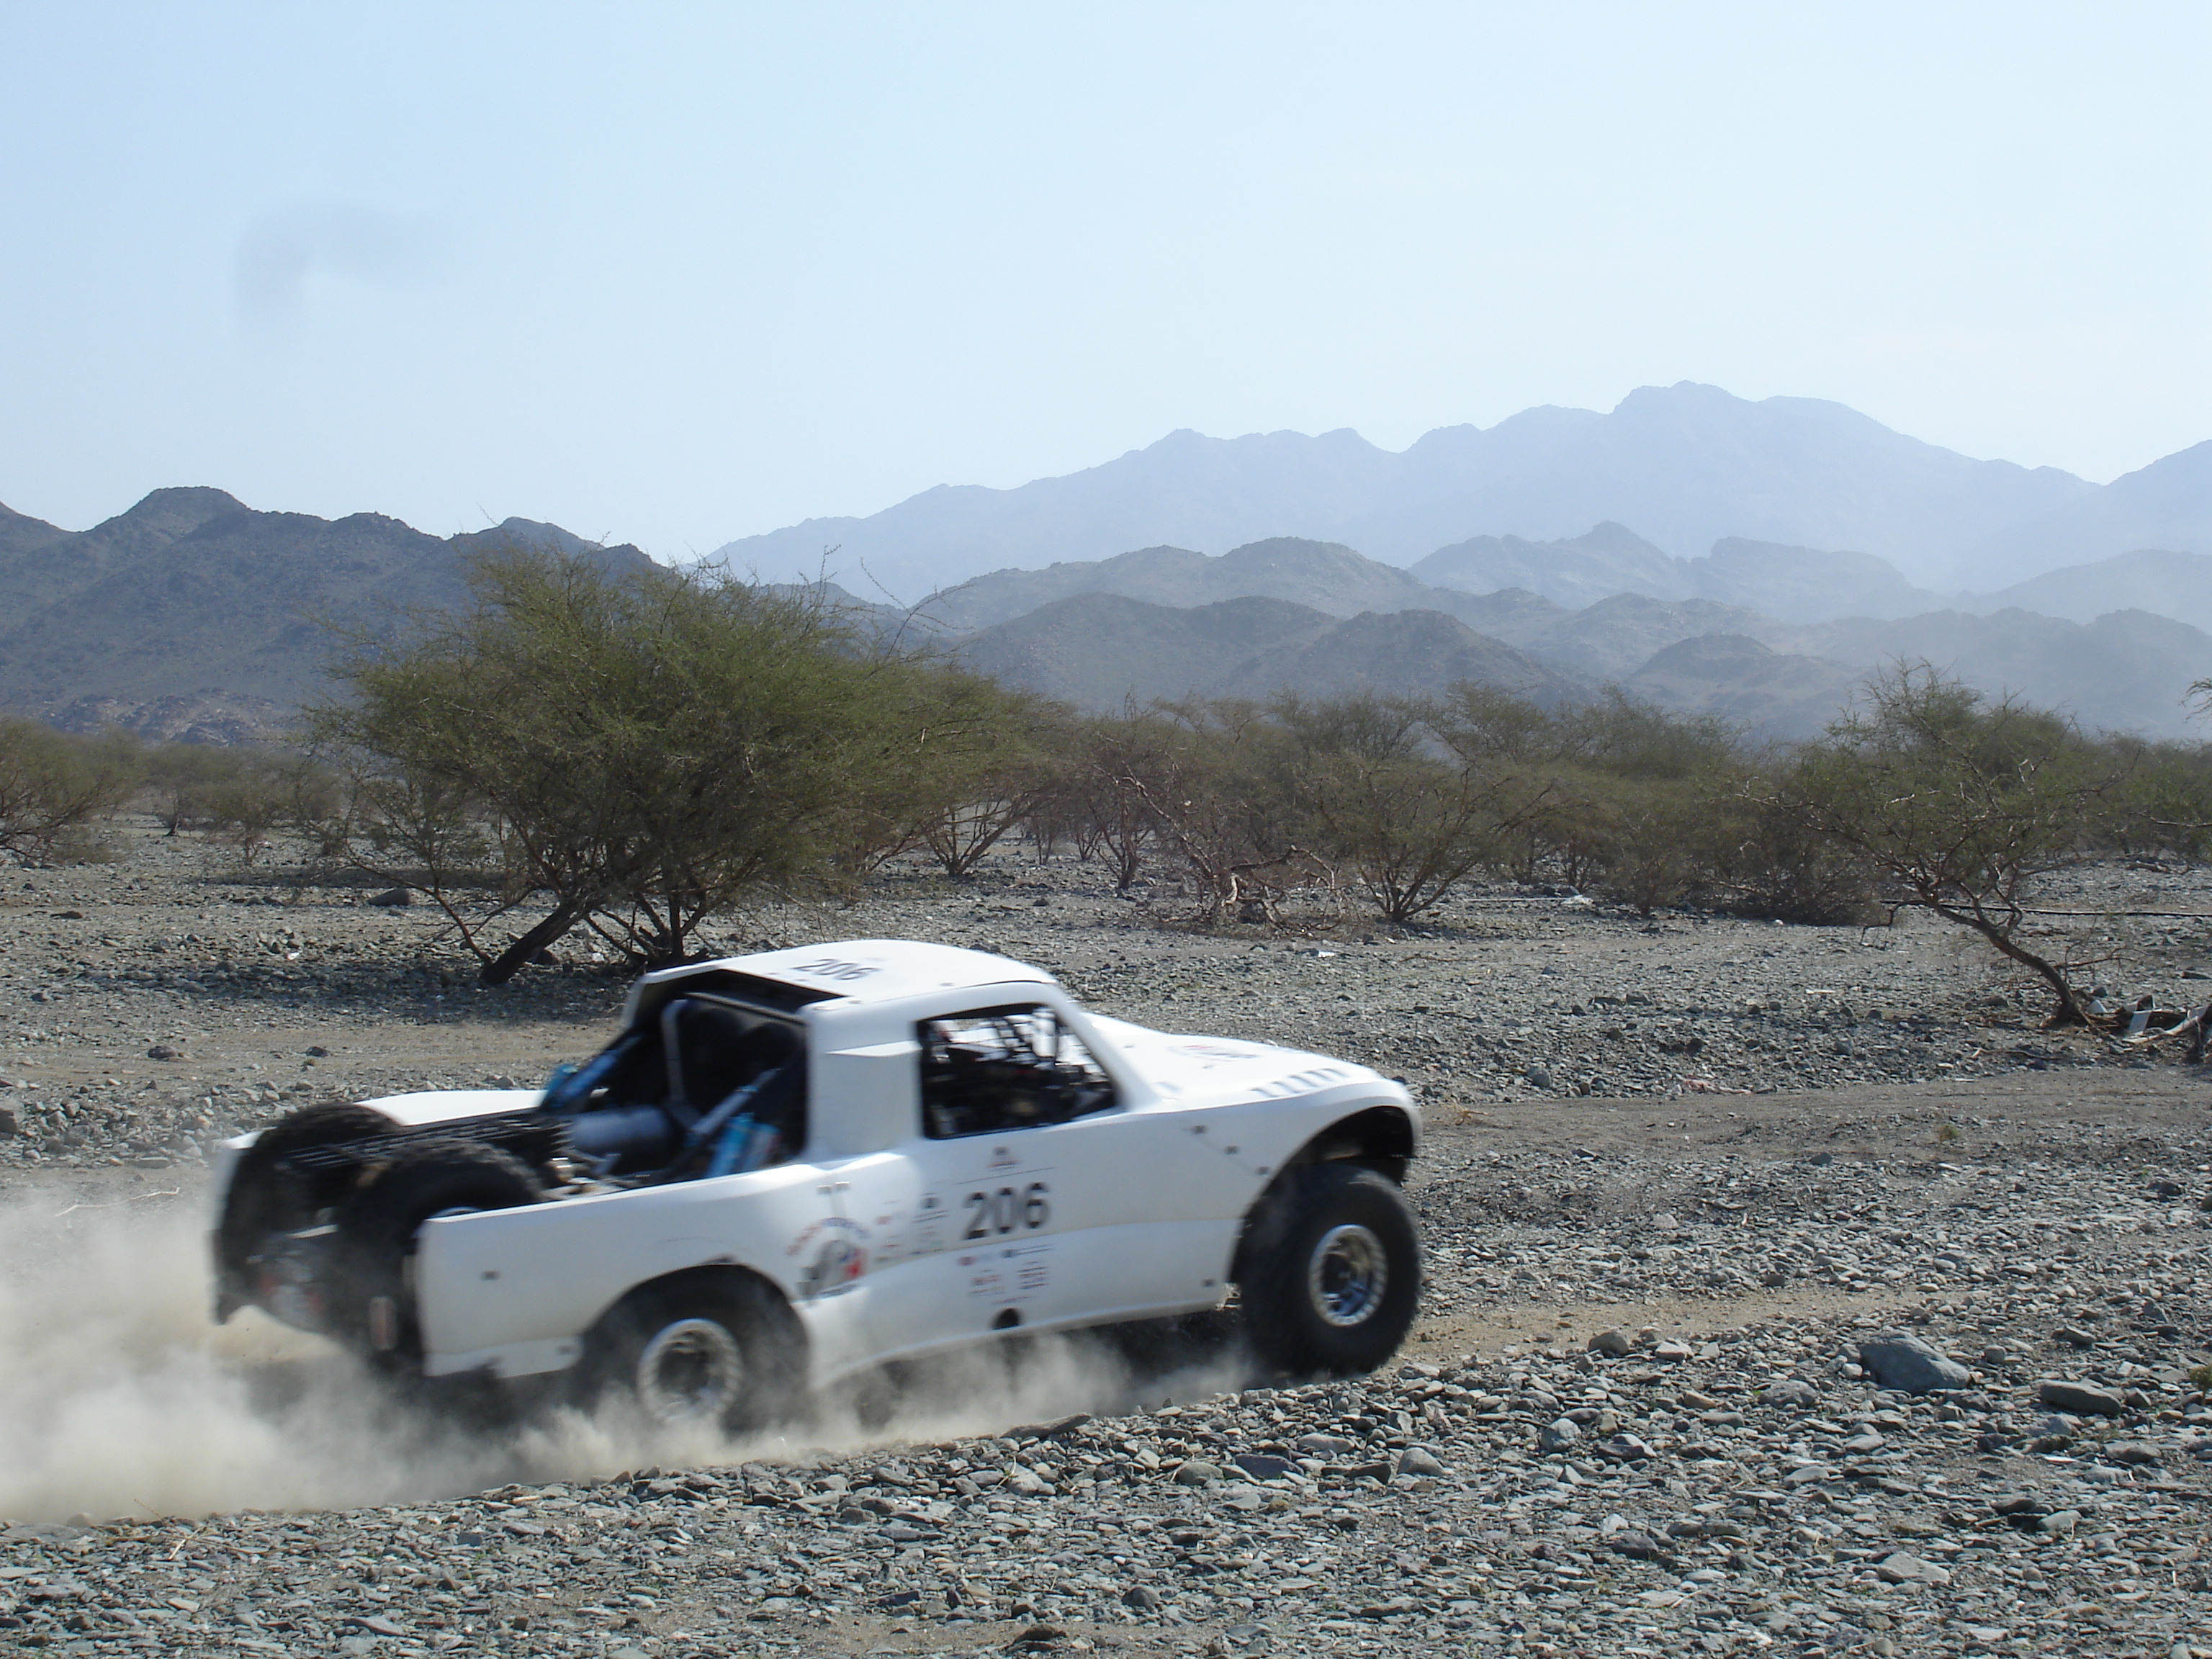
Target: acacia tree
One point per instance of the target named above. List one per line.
(54, 785)
(1959, 804)
(1027, 763)
(635, 752)
(1395, 804)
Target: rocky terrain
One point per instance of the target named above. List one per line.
(1789, 1290)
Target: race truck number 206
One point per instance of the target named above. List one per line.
(1006, 1211)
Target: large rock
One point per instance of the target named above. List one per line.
(2083, 1399)
(1903, 1568)
(1902, 1362)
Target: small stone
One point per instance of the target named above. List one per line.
(1194, 1471)
(1418, 1460)
(2073, 1337)
(1996, 1356)
(1900, 1361)
(1614, 1342)
(2132, 1452)
(393, 898)
(162, 1051)
(8, 1127)
(2083, 1399)
(1322, 1445)
(1142, 1598)
(1791, 1392)
(2060, 1522)
(1639, 1545)
(1558, 1435)
(1670, 1353)
(1264, 1465)
(1537, 1078)
(1902, 1568)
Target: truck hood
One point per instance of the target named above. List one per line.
(1185, 1068)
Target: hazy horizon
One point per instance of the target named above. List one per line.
(682, 276)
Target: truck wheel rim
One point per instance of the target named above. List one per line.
(1347, 1275)
(689, 1373)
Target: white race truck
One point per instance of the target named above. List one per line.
(791, 1167)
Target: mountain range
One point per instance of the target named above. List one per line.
(1320, 618)
(193, 616)
(1754, 560)
(1686, 466)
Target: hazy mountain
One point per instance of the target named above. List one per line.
(1687, 465)
(2176, 585)
(1615, 636)
(2167, 504)
(2125, 671)
(1097, 649)
(1608, 559)
(1797, 584)
(1777, 694)
(1323, 575)
(193, 609)
(1805, 584)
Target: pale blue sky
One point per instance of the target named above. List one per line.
(675, 274)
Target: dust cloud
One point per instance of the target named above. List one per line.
(120, 1398)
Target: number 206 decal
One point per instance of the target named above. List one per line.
(1007, 1210)
(830, 968)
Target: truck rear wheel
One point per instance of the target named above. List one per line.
(260, 1201)
(725, 1353)
(1332, 1272)
(373, 1302)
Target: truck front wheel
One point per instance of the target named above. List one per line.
(1332, 1272)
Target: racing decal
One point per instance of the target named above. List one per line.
(997, 1204)
(830, 969)
(833, 1254)
(1009, 1273)
(988, 1211)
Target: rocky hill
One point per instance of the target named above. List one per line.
(1097, 650)
(1271, 616)
(193, 615)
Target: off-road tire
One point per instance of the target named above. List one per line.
(722, 1352)
(372, 1304)
(260, 1201)
(1330, 1272)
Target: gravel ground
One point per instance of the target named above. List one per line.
(1723, 1471)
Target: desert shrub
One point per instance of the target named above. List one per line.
(639, 752)
(240, 795)
(1757, 860)
(1103, 801)
(1017, 769)
(56, 786)
(1958, 803)
(1389, 799)
(1215, 783)
(2162, 800)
